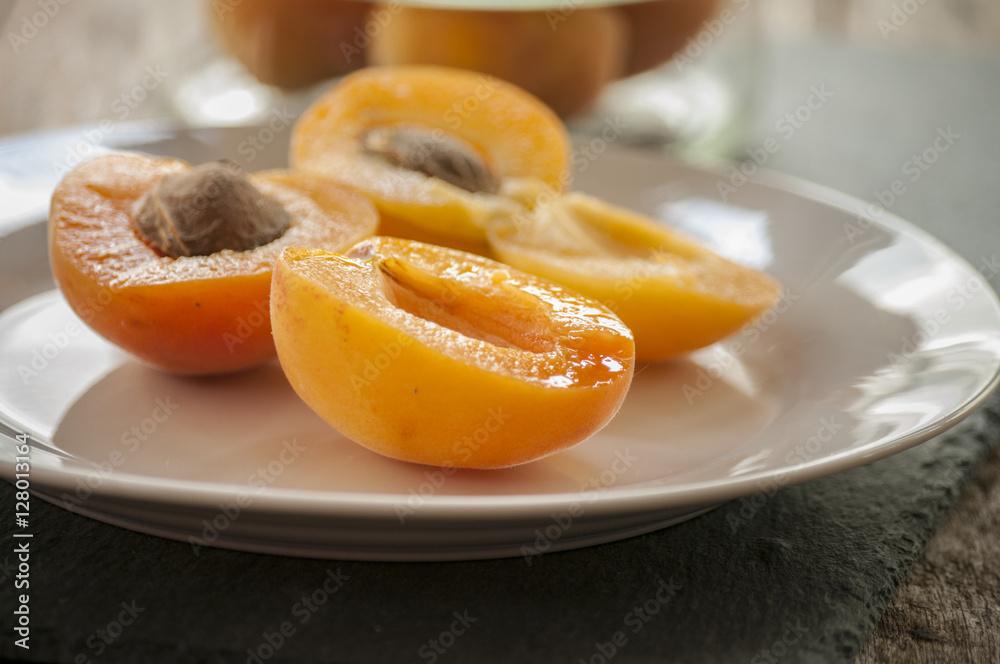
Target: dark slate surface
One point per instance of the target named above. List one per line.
(801, 576)
(798, 576)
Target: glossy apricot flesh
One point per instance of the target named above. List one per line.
(518, 139)
(194, 314)
(436, 356)
(675, 294)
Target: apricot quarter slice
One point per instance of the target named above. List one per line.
(441, 150)
(197, 314)
(675, 294)
(436, 356)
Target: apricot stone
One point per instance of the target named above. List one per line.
(200, 314)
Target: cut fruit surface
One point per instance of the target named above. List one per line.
(443, 150)
(192, 314)
(675, 295)
(436, 356)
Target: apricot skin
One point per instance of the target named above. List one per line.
(192, 315)
(292, 43)
(661, 28)
(384, 377)
(564, 58)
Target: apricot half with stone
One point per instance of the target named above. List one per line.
(441, 150)
(437, 356)
(173, 263)
(675, 294)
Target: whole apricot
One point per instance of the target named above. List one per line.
(157, 258)
(661, 28)
(293, 43)
(562, 56)
(436, 356)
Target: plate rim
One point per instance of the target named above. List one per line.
(648, 498)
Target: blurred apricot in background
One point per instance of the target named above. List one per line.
(564, 55)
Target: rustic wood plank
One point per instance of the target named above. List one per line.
(948, 609)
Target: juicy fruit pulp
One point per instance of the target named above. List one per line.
(193, 314)
(388, 130)
(674, 294)
(441, 357)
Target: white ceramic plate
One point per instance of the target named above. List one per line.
(885, 339)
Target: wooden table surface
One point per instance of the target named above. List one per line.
(948, 609)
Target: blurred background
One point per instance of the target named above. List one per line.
(83, 61)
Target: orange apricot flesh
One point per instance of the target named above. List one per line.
(519, 141)
(192, 314)
(436, 356)
(675, 294)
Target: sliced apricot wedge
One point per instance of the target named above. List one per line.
(675, 294)
(442, 150)
(189, 314)
(436, 356)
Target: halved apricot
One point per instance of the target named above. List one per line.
(443, 150)
(436, 356)
(675, 294)
(197, 314)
